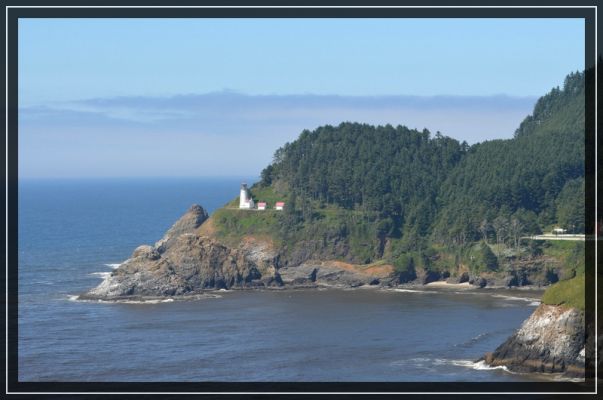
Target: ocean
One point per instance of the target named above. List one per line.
(73, 232)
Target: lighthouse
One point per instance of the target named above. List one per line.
(245, 199)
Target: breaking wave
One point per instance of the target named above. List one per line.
(102, 275)
(528, 299)
(429, 363)
(142, 301)
(411, 291)
(473, 340)
(477, 365)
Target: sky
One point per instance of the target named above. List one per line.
(201, 97)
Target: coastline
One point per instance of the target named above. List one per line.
(439, 288)
(527, 294)
(187, 265)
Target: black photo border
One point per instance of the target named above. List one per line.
(153, 9)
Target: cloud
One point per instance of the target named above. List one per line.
(217, 131)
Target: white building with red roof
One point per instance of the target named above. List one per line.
(261, 205)
(280, 205)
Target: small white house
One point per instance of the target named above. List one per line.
(280, 205)
(558, 231)
(261, 205)
(245, 200)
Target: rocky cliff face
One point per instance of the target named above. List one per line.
(185, 261)
(551, 340)
(189, 259)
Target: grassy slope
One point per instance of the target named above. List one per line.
(328, 222)
(570, 254)
(568, 293)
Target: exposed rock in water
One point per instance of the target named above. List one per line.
(551, 340)
(184, 262)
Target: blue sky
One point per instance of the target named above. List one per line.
(97, 97)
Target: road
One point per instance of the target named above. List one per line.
(556, 237)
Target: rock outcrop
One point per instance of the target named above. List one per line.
(190, 259)
(334, 273)
(551, 340)
(184, 262)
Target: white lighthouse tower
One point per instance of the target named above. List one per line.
(245, 199)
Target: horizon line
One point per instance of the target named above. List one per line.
(235, 92)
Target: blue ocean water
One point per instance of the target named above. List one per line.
(71, 232)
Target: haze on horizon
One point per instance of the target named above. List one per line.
(217, 97)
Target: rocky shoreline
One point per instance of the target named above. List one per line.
(551, 340)
(189, 260)
(188, 264)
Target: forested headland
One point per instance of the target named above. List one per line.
(420, 200)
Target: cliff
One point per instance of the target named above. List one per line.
(189, 259)
(184, 262)
(198, 254)
(551, 340)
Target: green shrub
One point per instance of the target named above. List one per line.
(488, 258)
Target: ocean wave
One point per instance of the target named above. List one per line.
(561, 378)
(528, 299)
(479, 365)
(418, 362)
(534, 302)
(114, 266)
(482, 366)
(152, 301)
(410, 291)
(102, 275)
(142, 301)
(429, 363)
(473, 340)
(149, 301)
